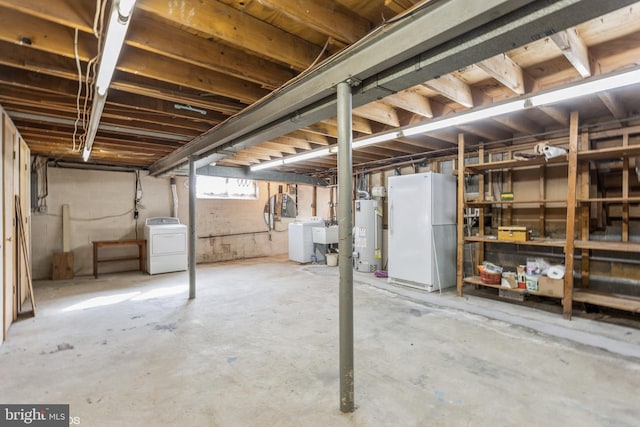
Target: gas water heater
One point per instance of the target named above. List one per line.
(367, 236)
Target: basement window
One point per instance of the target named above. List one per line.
(214, 187)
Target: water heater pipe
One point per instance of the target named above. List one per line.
(174, 193)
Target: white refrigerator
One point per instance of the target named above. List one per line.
(422, 230)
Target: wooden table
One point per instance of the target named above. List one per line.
(142, 253)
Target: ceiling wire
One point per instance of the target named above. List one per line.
(98, 25)
(79, 67)
(82, 113)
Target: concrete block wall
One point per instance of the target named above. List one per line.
(236, 229)
(101, 208)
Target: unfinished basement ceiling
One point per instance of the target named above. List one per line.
(189, 65)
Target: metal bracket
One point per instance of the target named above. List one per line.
(189, 108)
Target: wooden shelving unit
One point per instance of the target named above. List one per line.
(577, 205)
(557, 243)
(477, 281)
(617, 301)
(473, 203)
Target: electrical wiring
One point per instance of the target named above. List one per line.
(96, 18)
(137, 198)
(99, 218)
(79, 67)
(98, 25)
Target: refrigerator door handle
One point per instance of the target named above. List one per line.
(390, 225)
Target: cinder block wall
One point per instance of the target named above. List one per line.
(236, 229)
(101, 208)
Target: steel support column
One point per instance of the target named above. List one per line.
(345, 246)
(192, 227)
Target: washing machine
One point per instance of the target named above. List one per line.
(166, 245)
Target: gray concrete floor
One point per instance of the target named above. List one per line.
(259, 347)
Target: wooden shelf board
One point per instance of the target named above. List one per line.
(509, 164)
(513, 202)
(608, 245)
(609, 153)
(634, 199)
(476, 280)
(558, 243)
(119, 259)
(617, 301)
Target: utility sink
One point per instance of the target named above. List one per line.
(325, 235)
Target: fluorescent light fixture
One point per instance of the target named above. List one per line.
(94, 122)
(466, 117)
(293, 159)
(306, 156)
(116, 31)
(266, 165)
(587, 87)
(119, 19)
(374, 139)
(125, 7)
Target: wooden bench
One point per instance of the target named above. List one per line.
(142, 253)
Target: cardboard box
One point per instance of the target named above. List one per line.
(513, 234)
(550, 287)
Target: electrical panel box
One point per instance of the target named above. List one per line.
(379, 192)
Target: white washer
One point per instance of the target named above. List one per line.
(166, 245)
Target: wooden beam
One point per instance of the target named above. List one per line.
(359, 124)
(559, 114)
(175, 94)
(139, 62)
(77, 14)
(380, 112)
(412, 101)
(236, 28)
(186, 47)
(572, 176)
(460, 215)
(280, 147)
(126, 119)
(585, 209)
(45, 35)
(503, 69)
(625, 191)
(322, 17)
(311, 137)
(574, 49)
(613, 105)
(453, 88)
(484, 130)
(519, 123)
(293, 142)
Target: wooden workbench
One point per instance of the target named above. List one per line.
(142, 253)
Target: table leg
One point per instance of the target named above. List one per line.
(95, 260)
(143, 255)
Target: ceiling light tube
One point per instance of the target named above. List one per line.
(374, 139)
(306, 156)
(466, 117)
(266, 165)
(94, 122)
(116, 31)
(588, 87)
(125, 7)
